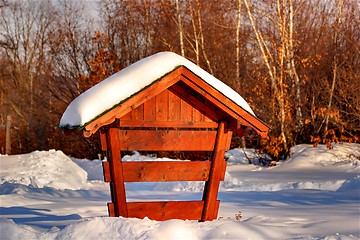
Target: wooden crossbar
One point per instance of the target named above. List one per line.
(167, 124)
(161, 211)
(167, 140)
(162, 171)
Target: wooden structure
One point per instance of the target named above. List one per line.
(178, 112)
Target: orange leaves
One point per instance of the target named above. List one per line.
(273, 146)
(103, 64)
(333, 136)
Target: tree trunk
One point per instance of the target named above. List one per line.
(180, 28)
(238, 25)
(293, 72)
(335, 66)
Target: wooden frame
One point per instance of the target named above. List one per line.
(179, 112)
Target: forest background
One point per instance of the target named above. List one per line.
(296, 62)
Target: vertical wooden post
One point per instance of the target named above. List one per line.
(8, 135)
(212, 185)
(116, 171)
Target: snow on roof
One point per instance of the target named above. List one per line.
(132, 79)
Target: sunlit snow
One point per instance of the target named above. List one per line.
(315, 194)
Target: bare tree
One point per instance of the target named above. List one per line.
(238, 28)
(335, 64)
(180, 28)
(25, 30)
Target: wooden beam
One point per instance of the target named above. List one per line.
(103, 141)
(161, 211)
(111, 209)
(106, 171)
(166, 140)
(227, 147)
(212, 186)
(166, 124)
(166, 171)
(116, 172)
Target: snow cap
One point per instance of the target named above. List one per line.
(131, 80)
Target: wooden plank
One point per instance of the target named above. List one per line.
(229, 138)
(103, 141)
(149, 110)
(111, 209)
(206, 119)
(166, 171)
(161, 211)
(116, 171)
(106, 171)
(126, 116)
(186, 112)
(162, 106)
(216, 210)
(197, 116)
(174, 108)
(227, 147)
(167, 140)
(133, 102)
(212, 186)
(166, 124)
(138, 113)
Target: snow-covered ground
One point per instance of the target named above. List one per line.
(315, 194)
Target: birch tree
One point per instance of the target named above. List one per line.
(335, 64)
(180, 28)
(238, 28)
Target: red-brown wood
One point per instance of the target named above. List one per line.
(149, 110)
(158, 124)
(186, 112)
(166, 171)
(197, 116)
(161, 211)
(138, 113)
(126, 116)
(116, 172)
(111, 209)
(106, 171)
(227, 147)
(162, 106)
(167, 140)
(174, 108)
(103, 140)
(212, 185)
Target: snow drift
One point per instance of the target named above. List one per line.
(315, 194)
(43, 169)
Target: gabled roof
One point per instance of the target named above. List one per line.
(132, 86)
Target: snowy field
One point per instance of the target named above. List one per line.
(315, 194)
